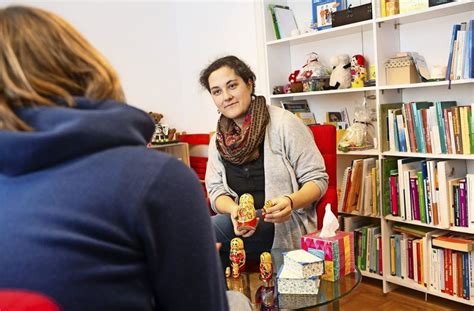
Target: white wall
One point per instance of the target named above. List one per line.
(159, 48)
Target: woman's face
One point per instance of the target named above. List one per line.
(230, 93)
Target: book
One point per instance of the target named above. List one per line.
(333, 117)
(454, 241)
(286, 21)
(300, 105)
(307, 117)
(322, 12)
(449, 75)
(271, 7)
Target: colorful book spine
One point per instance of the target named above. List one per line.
(449, 69)
(421, 196)
(463, 203)
(394, 192)
(415, 203)
(410, 258)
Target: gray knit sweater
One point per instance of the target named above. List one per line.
(291, 159)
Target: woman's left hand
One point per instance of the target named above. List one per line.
(280, 211)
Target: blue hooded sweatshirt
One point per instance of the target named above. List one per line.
(93, 219)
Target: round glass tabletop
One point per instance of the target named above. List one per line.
(267, 298)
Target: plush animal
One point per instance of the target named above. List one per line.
(341, 73)
(358, 70)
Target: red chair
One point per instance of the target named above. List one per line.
(22, 300)
(197, 163)
(325, 138)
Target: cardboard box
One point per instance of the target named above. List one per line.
(401, 70)
(291, 283)
(302, 264)
(337, 251)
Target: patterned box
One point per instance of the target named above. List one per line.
(338, 253)
(289, 283)
(302, 264)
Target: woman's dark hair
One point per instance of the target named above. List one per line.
(240, 68)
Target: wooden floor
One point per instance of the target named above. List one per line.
(369, 296)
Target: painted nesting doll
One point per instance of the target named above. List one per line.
(266, 268)
(237, 256)
(246, 214)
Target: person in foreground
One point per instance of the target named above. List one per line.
(89, 216)
(262, 150)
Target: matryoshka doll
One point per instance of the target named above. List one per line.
(237, 256)
(246, 214)
(266, 268)
(265, 295)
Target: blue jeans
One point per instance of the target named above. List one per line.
(260, 241)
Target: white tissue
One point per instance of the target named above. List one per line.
(330, 224)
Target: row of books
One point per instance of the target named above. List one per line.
(359, 188)
(435, 192)
(438, 260)
(460, 62)
(393, 7)
(426, 127)
(368, 249)
(408, 253)
(451, 262)
(367, 241)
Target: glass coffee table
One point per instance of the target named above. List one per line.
(262, 298)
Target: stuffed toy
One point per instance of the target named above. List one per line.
(358, 70)
(162, 132)
(341, 73)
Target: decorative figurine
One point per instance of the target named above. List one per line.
(341, 73)
(313, 68)
(265, 295)
(246, 214)
(266, 268)
(227, 272)
(358, 70)
(267, 204)
(163, 133)
(237, 256)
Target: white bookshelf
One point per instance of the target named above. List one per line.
(427, 32)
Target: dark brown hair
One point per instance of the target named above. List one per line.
(43, 57)
(233, 62)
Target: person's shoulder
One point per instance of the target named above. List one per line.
(282, 118)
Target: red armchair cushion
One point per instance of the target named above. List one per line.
(325, 138)
(19, 300)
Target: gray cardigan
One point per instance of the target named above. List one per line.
(291, 159)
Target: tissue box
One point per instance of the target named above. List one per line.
(337, 251)
(290, 283)
(401, 70)
(302, 264)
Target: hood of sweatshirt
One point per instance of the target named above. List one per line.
(62, 134)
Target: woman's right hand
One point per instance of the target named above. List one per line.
(240, 232)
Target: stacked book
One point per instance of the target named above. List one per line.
(300, 273)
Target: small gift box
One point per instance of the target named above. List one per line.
(401, 70)
(303, 264)
(337, 251)
(291, 283)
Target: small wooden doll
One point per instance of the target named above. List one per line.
(237, 256)
(266, 268)
(265, 295)
(246, 214)
(267, 205)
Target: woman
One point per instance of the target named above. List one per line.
(88, 216)
(262, 150)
